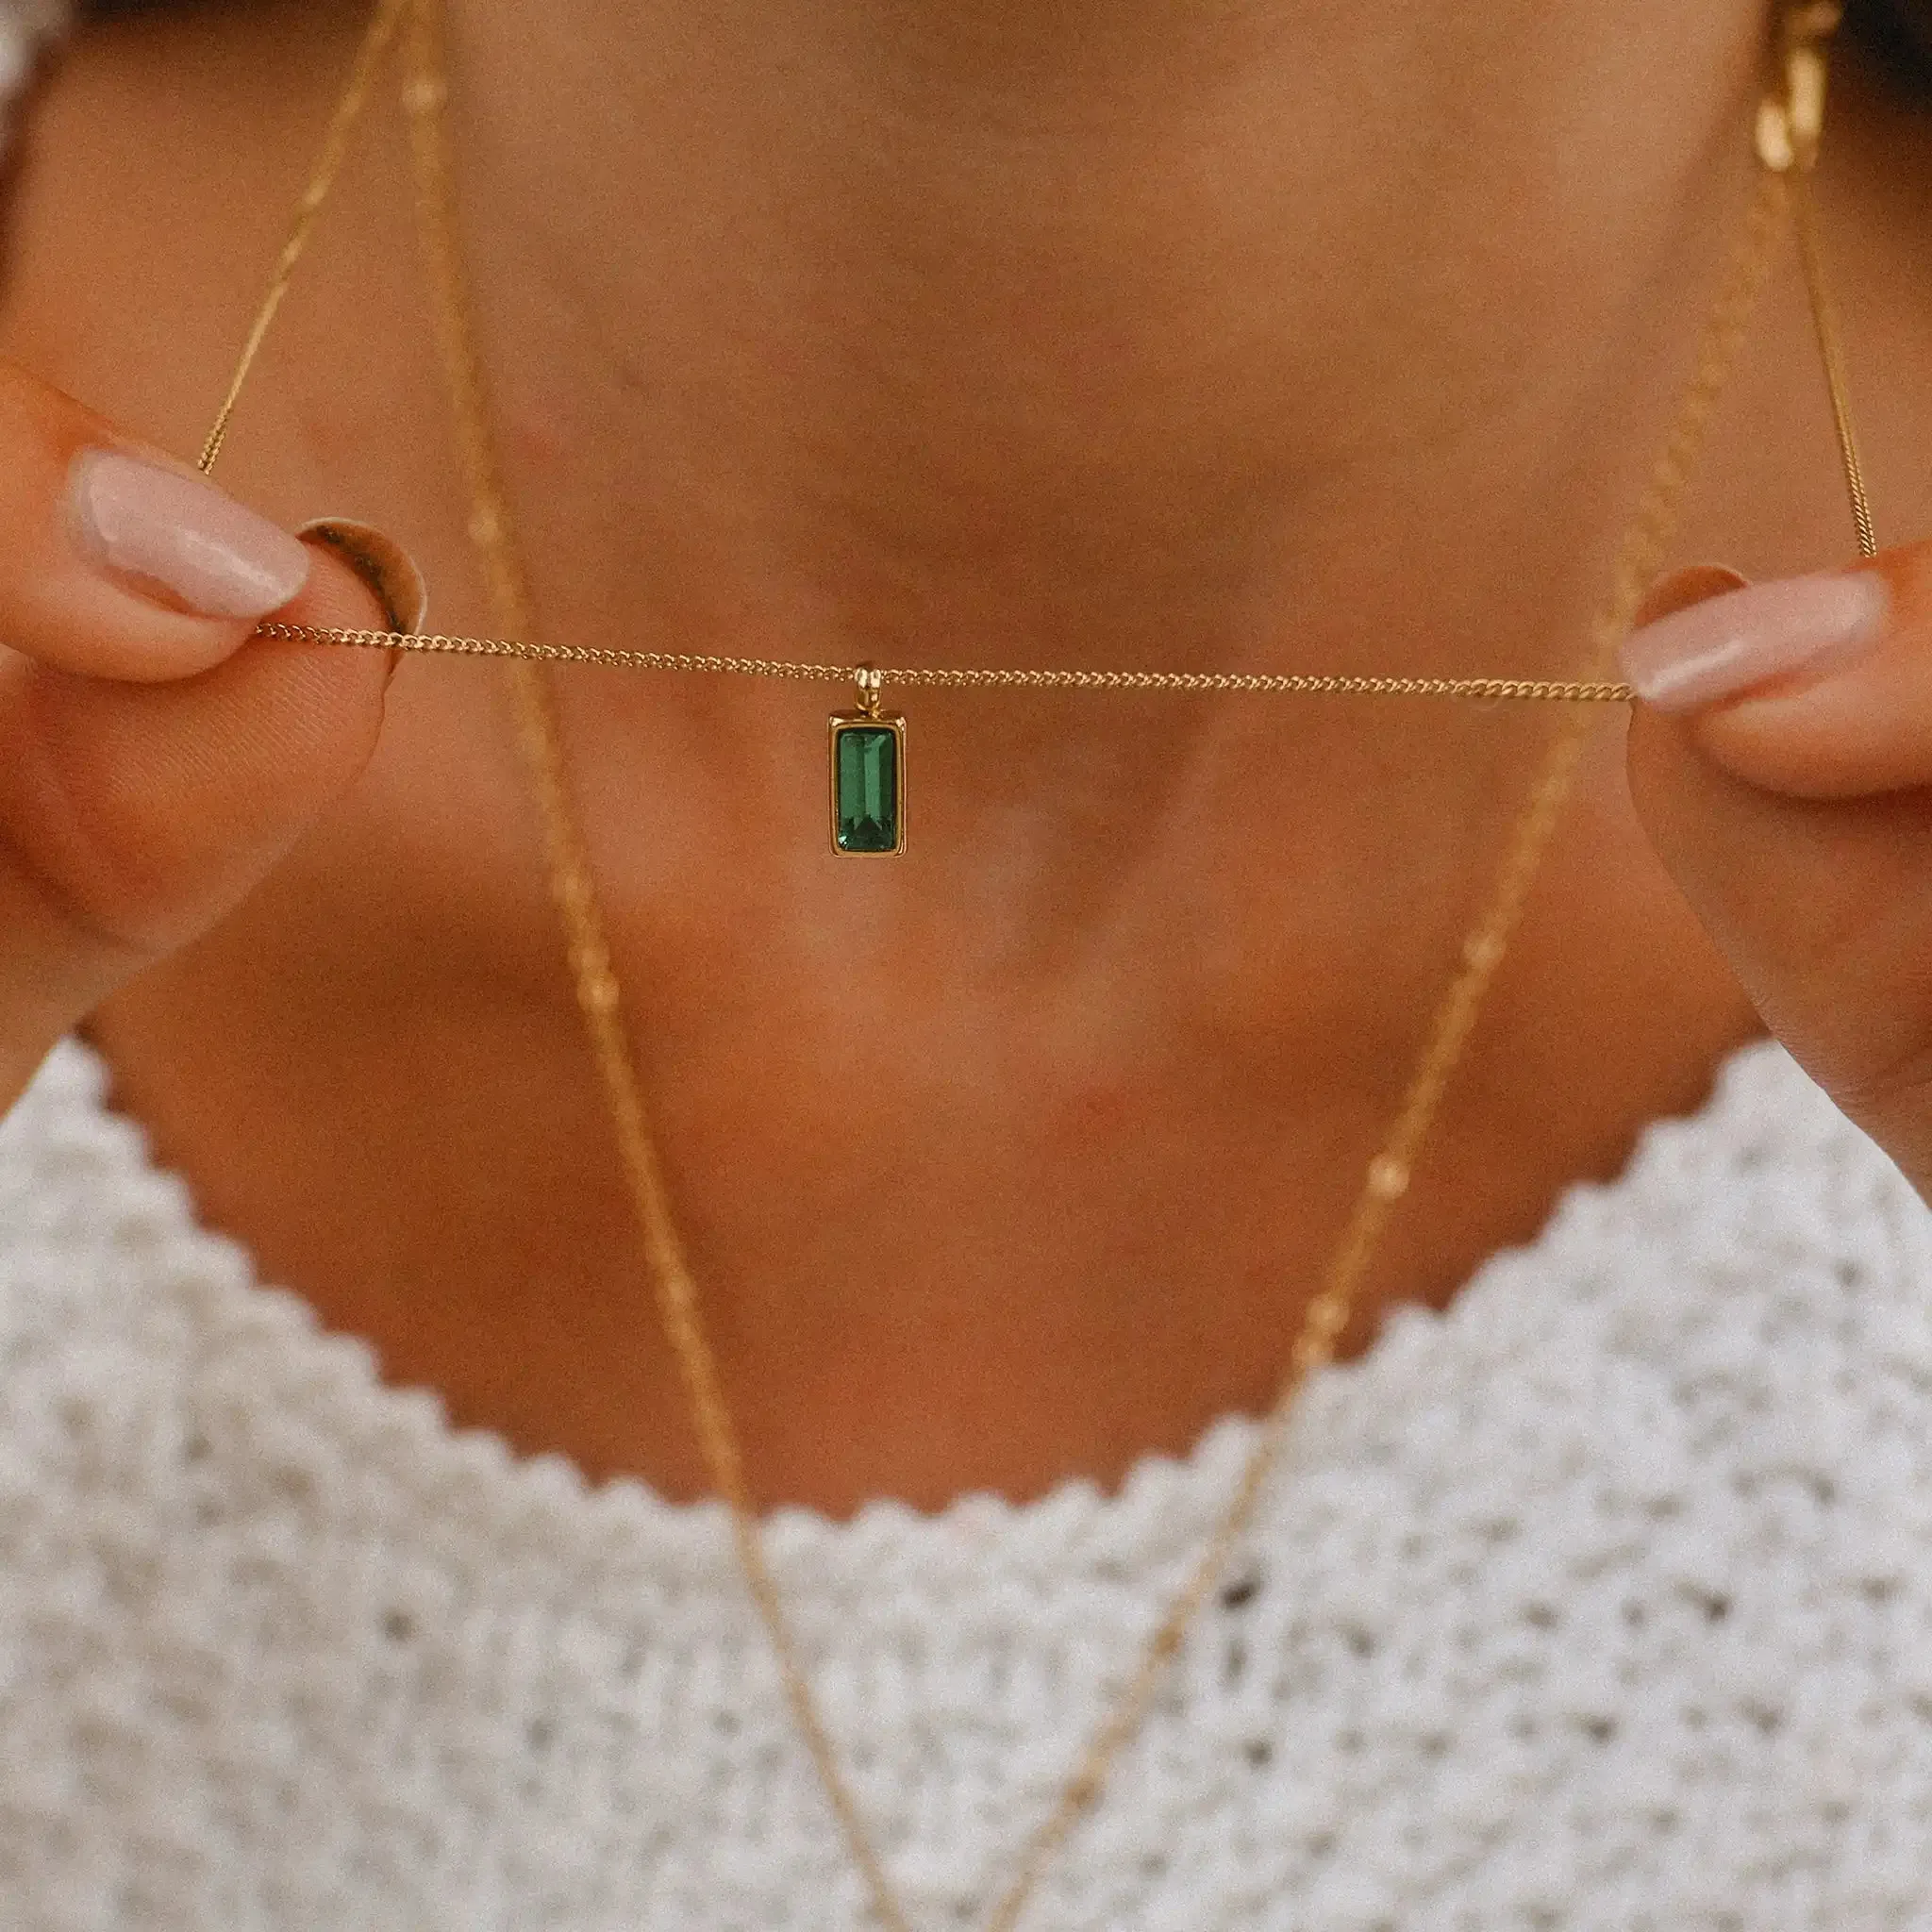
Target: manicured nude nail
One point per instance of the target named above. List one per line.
(1726, 644)
(179, 540)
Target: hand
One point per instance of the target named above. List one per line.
(1780, 757)
(154, 762)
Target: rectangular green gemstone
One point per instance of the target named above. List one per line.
(865, 775)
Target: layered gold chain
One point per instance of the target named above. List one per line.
(1787, 138)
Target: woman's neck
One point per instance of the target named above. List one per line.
(1092, 333)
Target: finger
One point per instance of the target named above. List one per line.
(1780, 758)
(1818, 687)
(133, 815)
(116, 559)
(1680, 588)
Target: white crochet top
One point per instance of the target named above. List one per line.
(1603, 1600)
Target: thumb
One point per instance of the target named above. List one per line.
(134, 815)
(1780, 759)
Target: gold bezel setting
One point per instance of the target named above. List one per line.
(838, 723)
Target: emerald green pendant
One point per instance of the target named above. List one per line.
(868, 776)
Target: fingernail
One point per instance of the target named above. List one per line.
(381, 562)
(1726, 644)
(1693, 583)
(177, 539)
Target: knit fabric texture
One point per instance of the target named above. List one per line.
(1602, 1600)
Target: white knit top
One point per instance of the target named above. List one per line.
(1603, 1600)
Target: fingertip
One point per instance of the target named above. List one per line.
(1721, 649)
(128, 571)
(1679, 589)
(360, 581)
(385, 568)
(177, 539)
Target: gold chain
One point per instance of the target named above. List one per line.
(1811, 258)
(1787, 143)
(933, 677)
(1791, 122)
(328, 162)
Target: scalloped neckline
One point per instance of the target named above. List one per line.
(340, 1375)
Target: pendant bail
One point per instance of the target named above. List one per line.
(868, 749)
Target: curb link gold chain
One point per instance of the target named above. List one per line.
(1788, 130)
(931, 677)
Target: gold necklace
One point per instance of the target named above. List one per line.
(1790, 120)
